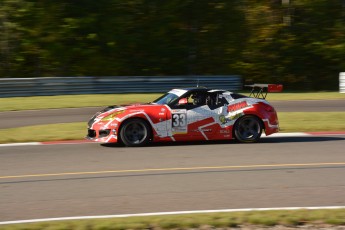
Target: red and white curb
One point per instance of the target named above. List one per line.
(169, 213)
(295, 134)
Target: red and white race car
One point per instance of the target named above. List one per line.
(188, 114)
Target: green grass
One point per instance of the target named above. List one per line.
(51, 132)
(72, 101)
(289, 122)
(324, 218)
(77, 101)
(311, 121)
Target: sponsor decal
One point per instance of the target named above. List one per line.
(224, 131)
(237, 106)
(225, 119)
(222, 119)
(112, 116)
(201, 130)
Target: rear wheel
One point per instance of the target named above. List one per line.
(248, 129)
(135, 132)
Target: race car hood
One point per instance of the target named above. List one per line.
(115, 108)
(118, 109)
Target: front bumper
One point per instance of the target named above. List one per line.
(102, 135)
(102, 131)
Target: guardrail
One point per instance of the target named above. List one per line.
(342, 82)
(46, 86)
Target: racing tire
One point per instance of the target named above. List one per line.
(135, 132)
(248, 129)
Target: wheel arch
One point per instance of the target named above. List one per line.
(136, 117)
(262, 123)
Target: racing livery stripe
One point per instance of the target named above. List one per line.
(204, 126)
(269, 124)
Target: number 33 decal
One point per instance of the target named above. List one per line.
(179, 120)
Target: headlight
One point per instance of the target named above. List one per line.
(112, 116)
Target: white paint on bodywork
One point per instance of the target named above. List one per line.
(269, 124)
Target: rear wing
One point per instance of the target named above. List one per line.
(261, 90)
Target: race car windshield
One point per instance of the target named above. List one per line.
(166, 99)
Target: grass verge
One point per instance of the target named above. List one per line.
(289, 122)
(51, 132)
(78, 101)
(251, 220)
(72, 101)
(311, 121)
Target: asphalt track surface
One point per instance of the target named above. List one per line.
(48, 181)
(51, 116)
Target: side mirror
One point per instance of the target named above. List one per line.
(183, 101)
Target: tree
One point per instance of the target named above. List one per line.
(290, 42)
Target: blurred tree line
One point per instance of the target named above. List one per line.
(300, 43)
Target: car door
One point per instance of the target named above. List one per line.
(187, 114)
(215, 107)
(197, 118)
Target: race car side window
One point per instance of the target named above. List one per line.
(215, 100)
(222, 101)
(194, 99)
(237, 96)
(167, 98)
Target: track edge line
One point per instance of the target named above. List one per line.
(167, 213)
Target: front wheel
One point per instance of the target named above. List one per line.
(135, 132)
(248, 129)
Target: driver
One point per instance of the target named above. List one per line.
(199, 99)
